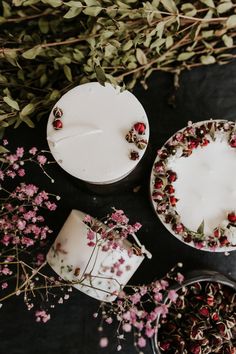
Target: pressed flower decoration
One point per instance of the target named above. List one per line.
(182, 145)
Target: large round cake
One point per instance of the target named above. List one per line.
(98, 133)
(193, 185)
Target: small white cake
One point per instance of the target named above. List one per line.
(98, 133)
(88, 268)
(193, 186)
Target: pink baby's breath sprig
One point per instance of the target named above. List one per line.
(24, 233)
(138, 308)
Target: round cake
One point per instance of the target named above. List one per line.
(193, 185)
(98, 133)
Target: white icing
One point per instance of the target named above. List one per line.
(91, 145)
(206, 185)
(231, 235)
(76, 254)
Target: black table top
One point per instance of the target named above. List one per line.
(207, 92)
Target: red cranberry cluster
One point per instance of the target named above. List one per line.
(202, 321)
(57, 123)
(135, 136)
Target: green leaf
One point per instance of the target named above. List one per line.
(6, 9)
(231, 21)
(28, 109)
(3, 150)
(53, 3)
(209, 3)
(228, 41)
(73, 3)
(73, 12)
(189, 9)
(169, 41)
(13, 104)
(92, 11)
(32, 53)
(224, 7)
(170, 6)
(127, 45)
(67, 72)
(141, 57)
(28, 121)
(207, 59)
(92, 2)
(200, 229)
(43, 25)
(100, 74)
(185, 56)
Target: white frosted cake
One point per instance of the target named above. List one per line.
(98, 133)
(193, 186)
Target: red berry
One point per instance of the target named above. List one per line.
(178, 228)
(134, 155)
(204, 311)
(169, 189)
(223, 241)
(159, 166)
(217, 232)
(172, 176)
(57, 112)
(205, 142)
(215, 317)
(157, 196)
(193, 144)
(233, 143)
(173, 200)
(232, 217)
(158, 183)
(140, 127)
(57, 124)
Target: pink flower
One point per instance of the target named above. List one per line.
(51, 206)
(109, 320)
(137, 226)
(33, 150)
(91, 244)
(158, 297)
(5, 142)
(103, 342)
(4, 285)
(21, 172)
(6, 271)
(41, 159)
(87, 218)
(27, 241)
(29, 189)
(6, 240)
(29, 215)
(119, 217)
(90, 235)
(180, 277)
(127, 327)
(172, 295)
(19, 151)
(21, 224)
(42, 316)
(135, 298)
(149, 331)
(11, 174)
(142, 342)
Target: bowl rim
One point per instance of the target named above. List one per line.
(193, 277)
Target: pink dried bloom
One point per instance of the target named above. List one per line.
(51, 206)
(172, 295)
(41, 159)
(33, 150)
(142, 342)
(21, 172)
(19, 151)
(103, 342)
(42, 316)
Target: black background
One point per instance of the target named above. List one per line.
(207, 92)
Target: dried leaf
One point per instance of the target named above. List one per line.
(228, 41)
(207, 59)
(209, 3)
(67, 72)
(12, 103)
(32, 53)
(28, 109)
(200, 229)
(224, 7)
(231, 21)
(73, 12)
(185, 56)
(100, 74)
(141, 56)
(92, 11)
(170, 6)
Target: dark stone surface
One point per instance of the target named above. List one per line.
(204, 93)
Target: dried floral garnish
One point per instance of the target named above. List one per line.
(202, 320)
(181, 145)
